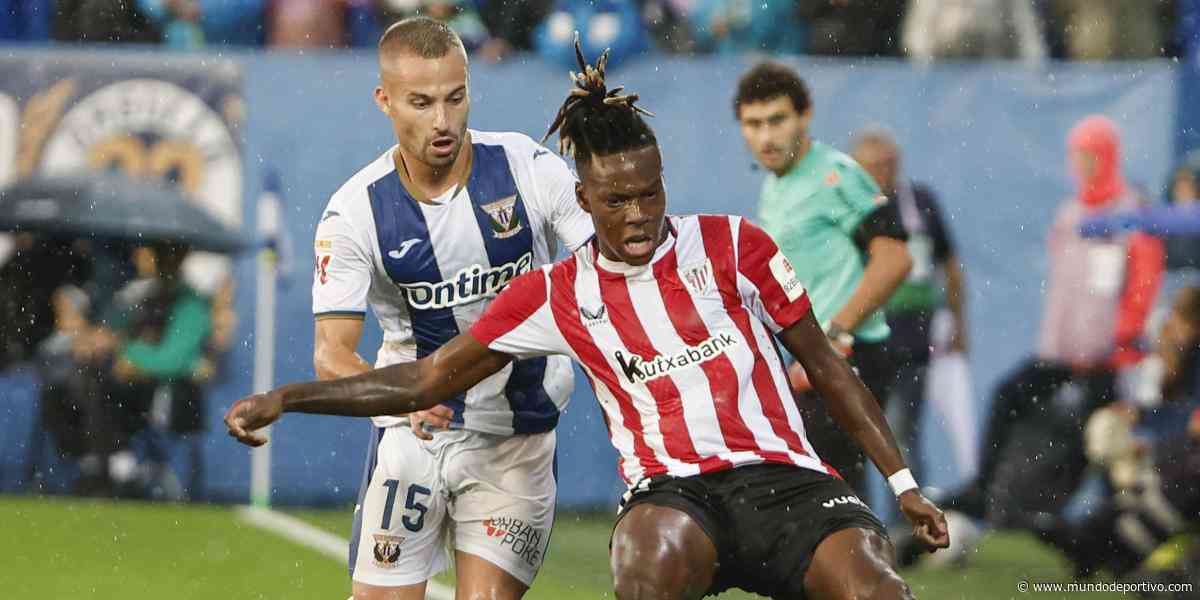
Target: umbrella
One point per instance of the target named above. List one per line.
(103, 205)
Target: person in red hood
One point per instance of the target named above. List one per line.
(1099, 292)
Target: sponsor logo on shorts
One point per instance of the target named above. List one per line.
(640, 370)
(843, 500)
(387, 550)
(522, 538)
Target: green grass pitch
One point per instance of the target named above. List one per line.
(79, 549)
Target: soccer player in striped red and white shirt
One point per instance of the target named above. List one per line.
(675, 322)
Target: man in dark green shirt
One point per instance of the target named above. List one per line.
(841, 234)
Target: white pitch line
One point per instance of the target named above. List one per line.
(318, 539)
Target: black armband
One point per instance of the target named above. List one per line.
(882, 222)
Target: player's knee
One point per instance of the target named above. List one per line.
(889, 586)
(645, 584)
(649, 572)
(884, 584)
(364, 591)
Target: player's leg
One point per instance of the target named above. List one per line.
(790, 537)
(363, 591)
(399, 528)
(480, 579)
(661, 553)
(855, 564)
(503, 491)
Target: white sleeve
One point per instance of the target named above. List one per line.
(520, 322)
(342, 276)
(555, 184)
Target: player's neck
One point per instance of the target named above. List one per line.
(805, 146)
(424, 183)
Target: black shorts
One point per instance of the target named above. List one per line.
(765, 520)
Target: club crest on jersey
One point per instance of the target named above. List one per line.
(387, 550)
(697, 278)
(639, 370)
(503, 214)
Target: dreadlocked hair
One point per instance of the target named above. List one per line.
(596, 121)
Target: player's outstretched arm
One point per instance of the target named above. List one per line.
(857, 412)
(398, 389)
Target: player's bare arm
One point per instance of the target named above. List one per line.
(402, 388)
(852, 407)
(335, 356)
(888, 263)
(335, 348)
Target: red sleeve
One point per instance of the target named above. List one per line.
(1143, 276)
(760, 260)
(523, 297)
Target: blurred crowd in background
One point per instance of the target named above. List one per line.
(922, 30)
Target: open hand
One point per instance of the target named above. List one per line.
(251, 413)
(929, 524)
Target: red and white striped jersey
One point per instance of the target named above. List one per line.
(680, 352)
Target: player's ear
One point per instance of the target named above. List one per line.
(581, 198)
(381, 99)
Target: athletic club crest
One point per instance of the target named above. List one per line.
(387, 550)
(698, 278)
(503, 214)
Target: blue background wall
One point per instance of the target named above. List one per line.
(989, 137)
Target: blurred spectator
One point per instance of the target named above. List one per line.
(602, 24)
(511, 24)
(26, 20)
(1098, 295)
(1184, 194)
(179, 21)
(193, 23)
(666, 22)
(37, 267)
(140, 365)
(853, 27)
(1151, 472)
(1113, 29)
(460, 15)
(1159, 500)
(972, 29)
(1178, 220)
(116, 21)
(935, 282)
(747, 25)
(320, 23)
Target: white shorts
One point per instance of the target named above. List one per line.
(498, 493)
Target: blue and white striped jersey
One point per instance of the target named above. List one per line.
(428, 270)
